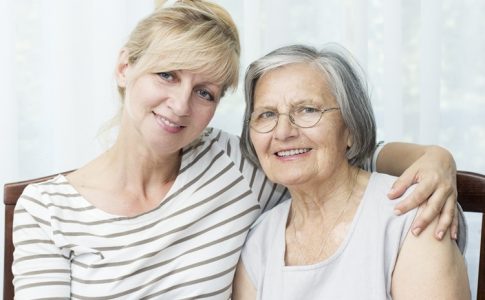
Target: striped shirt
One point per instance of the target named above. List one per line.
(186, 248)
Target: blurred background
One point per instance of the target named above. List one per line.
(424, 63)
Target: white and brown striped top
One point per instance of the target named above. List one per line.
(187, 248)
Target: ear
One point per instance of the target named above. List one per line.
(350, 139)
(121, 68)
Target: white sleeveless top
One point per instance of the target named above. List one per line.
(361, 268)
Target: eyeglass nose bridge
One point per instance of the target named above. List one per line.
(290, 118)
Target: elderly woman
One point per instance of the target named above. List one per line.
(311, 126)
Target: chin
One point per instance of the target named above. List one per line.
(288, 180)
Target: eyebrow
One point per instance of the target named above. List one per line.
(294, 104)
(304, 101)
(265, 108)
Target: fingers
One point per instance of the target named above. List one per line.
(417, 197)
(454, 225)
(441, 204)
(402, 184)
(435, 175)
(447, 218)
(429, 211)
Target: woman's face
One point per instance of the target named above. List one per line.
(168, 110)
(294, 156)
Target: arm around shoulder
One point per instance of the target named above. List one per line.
(433, 169)
(430, 269)
(396, 157)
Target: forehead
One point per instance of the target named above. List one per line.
(204, 77)
(292, 84)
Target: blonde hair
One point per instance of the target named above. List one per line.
(187, 35)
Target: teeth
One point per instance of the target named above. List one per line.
(167, 122)
(292, 152)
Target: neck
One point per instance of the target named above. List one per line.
(327, 196)
(127, 179)
(316, 227)
(136, 165)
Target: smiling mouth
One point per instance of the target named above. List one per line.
(292, 152)
(166, 121)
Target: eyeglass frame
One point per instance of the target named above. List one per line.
(292, 119)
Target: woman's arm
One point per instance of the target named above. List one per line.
(40, 269)
(433, 169)
(242, 287)
(430, 269)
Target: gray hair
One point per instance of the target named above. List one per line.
(346, 82)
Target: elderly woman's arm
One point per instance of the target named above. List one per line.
(430, 269)
(242, 287)
(433, 169)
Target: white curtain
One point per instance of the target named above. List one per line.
(424, 61)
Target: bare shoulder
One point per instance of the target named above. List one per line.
(423, 259)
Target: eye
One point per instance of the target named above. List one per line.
(265, 115)
(306, 110)
(205, 94)
(167, 76)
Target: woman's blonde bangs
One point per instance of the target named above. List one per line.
(209, 54)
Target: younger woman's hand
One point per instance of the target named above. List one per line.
(434, 174)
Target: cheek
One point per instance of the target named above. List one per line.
(334, 145)
(343, 138)
(261, 146)
(141, 96)
(337, 134)
(206, 115)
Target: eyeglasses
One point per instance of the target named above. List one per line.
(265, 120)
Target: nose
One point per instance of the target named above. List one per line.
(284, 128)
(179, 101)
